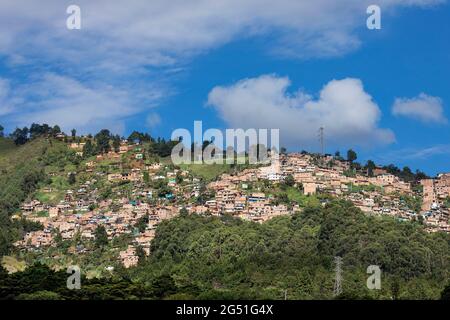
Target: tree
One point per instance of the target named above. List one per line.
(72, 178)
(20, 136)
(146, 178)
(205, 144)
(407, 174)
(56, 130)
(139, 137)
(163, 285)
(445, 295)
(2, 133)
(116, 143)
(395, 288)
(289, 180)
(142, 223)
(88, 149)
(351, 155)
(74, 133)
(102, 138)
(370, 166)
(179, 178)
(141, 254)
(37, 130)
(183, 212)
(101, 237)
(421, 175)
(40, 295)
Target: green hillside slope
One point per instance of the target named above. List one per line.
(22, 168)
(227, 258)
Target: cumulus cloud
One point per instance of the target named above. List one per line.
(423, 107)
(139, 41)
(56, 99)
(159, 31)
(347, 113)
(117, 37)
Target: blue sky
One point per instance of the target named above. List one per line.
(156, 67)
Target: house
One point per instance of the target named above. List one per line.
(257, 196)
(129, 257)
(77, 146)
(53, 212)
(309, 188)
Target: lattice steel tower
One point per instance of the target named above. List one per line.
(338, 280)
(321, 139)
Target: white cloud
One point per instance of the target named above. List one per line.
(55, 99)
(343, 108)
(413, 154)
(423, 107)
(153, 119)
(139, 33)
(122, 42)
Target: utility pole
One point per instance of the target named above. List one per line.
(321, 139)
(338, 280)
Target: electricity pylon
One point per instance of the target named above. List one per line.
(338, 280)
(321, 139)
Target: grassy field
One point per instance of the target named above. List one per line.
(6, 148)
(294, 194)
(11, 155)
(207, 172)
(6, 145)
(12, 265)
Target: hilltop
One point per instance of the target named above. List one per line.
(119, 208)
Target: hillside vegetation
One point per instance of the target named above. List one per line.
(198, 257)
(210, 257)
(22, 169)
(205, 257)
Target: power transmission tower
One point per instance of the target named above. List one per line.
(338, 280)
(321, 139)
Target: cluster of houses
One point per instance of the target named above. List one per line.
(81, 212)
(381, 193)
(116, 223)
(436, 201)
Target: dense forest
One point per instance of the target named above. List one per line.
(209, 257)
(20, 175)
(196, 257)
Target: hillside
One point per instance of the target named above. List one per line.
(226, 258)
(198, 257)
(23, 168)
(129, 213)
(6, 145)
